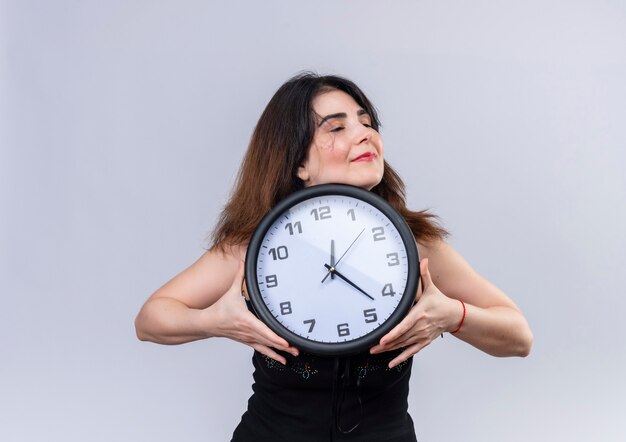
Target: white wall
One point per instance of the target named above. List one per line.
(122, 124)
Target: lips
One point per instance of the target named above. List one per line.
(367, 156)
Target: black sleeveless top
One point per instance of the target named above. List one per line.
(319, 399)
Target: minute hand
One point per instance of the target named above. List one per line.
(335, 272)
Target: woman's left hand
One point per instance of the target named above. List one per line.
(433, 314)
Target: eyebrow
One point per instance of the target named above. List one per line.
(359, 113)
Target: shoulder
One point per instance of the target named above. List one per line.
(456, 278)
(222, 259)
(207, 279)
(447, 267)
(227, 252)
(437, 251)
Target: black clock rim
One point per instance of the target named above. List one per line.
(335, 348)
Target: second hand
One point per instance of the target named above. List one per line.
(332, 268)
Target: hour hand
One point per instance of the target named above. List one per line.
(334, 271)
(332, 262)
(332, 257)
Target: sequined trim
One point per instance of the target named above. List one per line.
(364, 366)
(370, 365)
(302, 369)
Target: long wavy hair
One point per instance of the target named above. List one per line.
(279, 145)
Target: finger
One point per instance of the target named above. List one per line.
(269, 338)
(238, 281)
(406, 354)
(266, 334)
(289, 349)
(267, 351)
(419, 292)
(237, 286)
(401, 342)
(426, 279)
(260, 328)
(424, 335)
(401, 345)
(403, 327)
(244, 290)
(391, 345)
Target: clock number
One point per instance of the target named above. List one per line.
(343, 330)
(310, 321)
(280, 253)
(394, 259)
(388, 290)
(379, 233)
(271, 281)
(370, 315)
(321, 213)
(351, 213)
(296, 226)
(285, 308)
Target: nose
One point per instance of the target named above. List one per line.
(362, 134)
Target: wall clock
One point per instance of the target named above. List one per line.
(332, 268)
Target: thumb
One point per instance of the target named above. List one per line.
(238, 283)
(425, 274)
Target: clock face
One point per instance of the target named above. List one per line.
(332, 268)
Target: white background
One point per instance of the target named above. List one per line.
(122, 125)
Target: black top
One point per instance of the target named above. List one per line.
(319, 399)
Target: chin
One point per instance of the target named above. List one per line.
(365, 181)
(368, 184)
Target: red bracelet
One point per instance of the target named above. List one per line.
(462, 319)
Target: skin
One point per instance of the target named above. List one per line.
(343, 135)
(205, 299)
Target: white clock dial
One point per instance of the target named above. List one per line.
(332, 268)
(322, 305)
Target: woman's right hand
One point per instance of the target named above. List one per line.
(234, 321)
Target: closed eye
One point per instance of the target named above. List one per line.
(337, 129)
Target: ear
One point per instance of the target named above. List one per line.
(303, 172)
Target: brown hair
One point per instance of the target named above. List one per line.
(279, 145)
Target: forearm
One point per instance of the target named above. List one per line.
(498, 331)
(168, 321)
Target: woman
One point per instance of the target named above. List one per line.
(315, 130)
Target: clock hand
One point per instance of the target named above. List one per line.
(333, 270)
(344, 254)
(332, 257)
